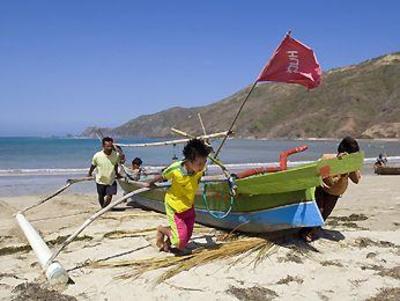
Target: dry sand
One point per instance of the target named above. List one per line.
(356, 258)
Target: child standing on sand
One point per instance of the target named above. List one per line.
(179, 200)
(334, 187)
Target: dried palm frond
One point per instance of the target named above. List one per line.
(118, 234)
(241, 247)
(125, 216)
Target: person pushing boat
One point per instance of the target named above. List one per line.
(334, 187)
(185, 177)
(105, 162)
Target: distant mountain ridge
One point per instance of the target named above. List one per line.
(362, 100)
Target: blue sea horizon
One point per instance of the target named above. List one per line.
(30, 165)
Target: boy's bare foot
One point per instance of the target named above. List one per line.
(160, 240)
(309, 237)
(166, 247)
(306, 234)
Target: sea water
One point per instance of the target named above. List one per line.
(36, 165)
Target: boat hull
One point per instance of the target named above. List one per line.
(304, 214)
(387, 170)
(264, 203)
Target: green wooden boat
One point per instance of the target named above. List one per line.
(264, 202)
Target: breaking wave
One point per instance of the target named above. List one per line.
(83, 171)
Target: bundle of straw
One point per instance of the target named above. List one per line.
(240, 247)
(118, 234)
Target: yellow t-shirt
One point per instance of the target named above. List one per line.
(105, 167)
(180, 196)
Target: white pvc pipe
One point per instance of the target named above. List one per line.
(55, 273)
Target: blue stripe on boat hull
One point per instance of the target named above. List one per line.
(286, 217)
(297, 215)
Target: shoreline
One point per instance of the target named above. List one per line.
(232, 138)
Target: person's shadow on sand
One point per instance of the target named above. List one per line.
(209, 244)
(292, 239)
(194, 246)
(332, 235)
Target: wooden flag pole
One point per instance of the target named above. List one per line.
(172, 142)
(202, 124)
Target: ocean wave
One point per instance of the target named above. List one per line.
(82, 171)
(42, 171)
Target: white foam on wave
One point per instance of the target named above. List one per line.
(42, 171)
(82, 171)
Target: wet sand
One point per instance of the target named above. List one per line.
(357, 256)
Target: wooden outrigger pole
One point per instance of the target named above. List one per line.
(225, 171)
(65, 187)
(92, 219)
(112, 205)
(172, 142)
(202, 124)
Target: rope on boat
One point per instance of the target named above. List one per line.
(232, 199)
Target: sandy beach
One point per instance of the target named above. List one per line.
(357, 256)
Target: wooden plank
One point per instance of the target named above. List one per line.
(343, 165)
(283, 181)
(299, 178)
(172, 142)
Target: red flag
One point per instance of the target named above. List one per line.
(292, 62)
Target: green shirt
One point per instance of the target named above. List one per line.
(105, 167)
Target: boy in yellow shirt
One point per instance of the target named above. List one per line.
(179, 199)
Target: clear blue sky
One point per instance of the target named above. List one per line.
(65, 65)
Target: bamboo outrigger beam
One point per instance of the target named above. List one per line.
(225, 171)
(54, 271)
(92, 219)
(172, 142)
(65, 187)
(202, 124)
(112, 205)
(213, 159)
(204, 179)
